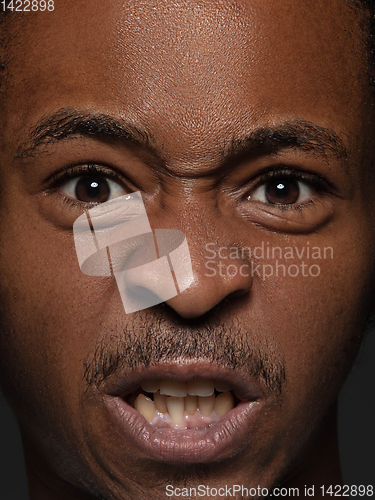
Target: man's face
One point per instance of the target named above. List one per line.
(257, 127)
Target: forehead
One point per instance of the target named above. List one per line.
(207, 69)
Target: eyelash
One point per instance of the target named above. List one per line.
(320, 184)
(68, 173)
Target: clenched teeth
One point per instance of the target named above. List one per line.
(192, 403)
(197, 387)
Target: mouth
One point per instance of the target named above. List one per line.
(185, 413)
(193, 404)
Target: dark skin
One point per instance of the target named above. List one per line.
(193, 76)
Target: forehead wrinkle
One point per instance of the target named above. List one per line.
(265, 140)
(298, 135)
(155, 98)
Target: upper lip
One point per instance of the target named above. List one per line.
(124, 382)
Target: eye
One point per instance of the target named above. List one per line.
(92, 188)
(288, 200)
(283, 191)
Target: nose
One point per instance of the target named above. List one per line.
(192, 276)
(219, 272)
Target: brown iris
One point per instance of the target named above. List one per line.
(92, 189)
(282, 191)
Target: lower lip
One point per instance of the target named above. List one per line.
(223, 439)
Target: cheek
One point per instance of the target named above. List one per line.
(50, 318)
(317, 318)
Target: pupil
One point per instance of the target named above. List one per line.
(92, 189)
(284, 192)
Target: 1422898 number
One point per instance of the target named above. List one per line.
(28, 5)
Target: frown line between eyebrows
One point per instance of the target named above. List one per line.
(296, 134)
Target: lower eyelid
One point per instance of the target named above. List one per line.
(301, 218)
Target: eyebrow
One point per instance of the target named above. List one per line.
(295, 134)
(269, 139)
(66, 123)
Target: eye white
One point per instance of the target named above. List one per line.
(305, 192)
(115, 189)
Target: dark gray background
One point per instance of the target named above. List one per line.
(356, 429)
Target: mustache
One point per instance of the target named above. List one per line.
(150, 339)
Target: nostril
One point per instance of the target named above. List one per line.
(237, 293)
(209, 291)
